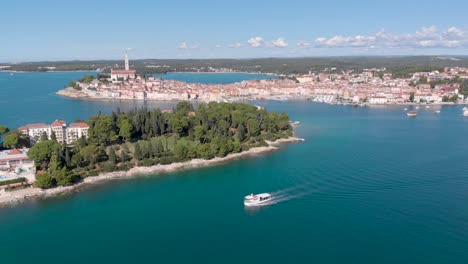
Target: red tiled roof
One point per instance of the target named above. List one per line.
(79, 124)
(58, 123)
(15, 152)
(33, 126)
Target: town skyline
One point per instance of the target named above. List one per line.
(203, 30)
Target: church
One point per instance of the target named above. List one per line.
(123, 75)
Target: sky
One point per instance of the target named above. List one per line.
(90, 30)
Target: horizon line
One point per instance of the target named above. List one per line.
(247, 58)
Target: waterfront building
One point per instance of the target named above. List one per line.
(35, 131)
(14, 157)
(59, 127)
(76, 131)
(63, 133)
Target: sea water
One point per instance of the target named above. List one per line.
(368, 185)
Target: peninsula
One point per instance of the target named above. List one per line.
(375, 86)
(132, 143)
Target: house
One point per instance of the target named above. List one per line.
(14, 157)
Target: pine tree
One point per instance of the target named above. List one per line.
(112, 156)
(44, 136)
(67, 157)
(53, 136)
(124, 157)
(137, 154)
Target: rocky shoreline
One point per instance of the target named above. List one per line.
(13, 197)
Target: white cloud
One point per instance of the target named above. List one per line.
(280, 43)
(426, 37)
(256, 42)
(185, 46)
(303, 44)
(235, 45)
(218, 46)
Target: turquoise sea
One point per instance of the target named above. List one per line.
(369, 185)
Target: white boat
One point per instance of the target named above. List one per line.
(412, 113)
(465, 108)
(428, 106)
(257, 199)
(406, 109)
(465, 113)
(437, 112)
(417, 107)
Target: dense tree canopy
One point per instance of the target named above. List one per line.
(148, 137)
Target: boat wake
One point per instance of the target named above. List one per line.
(290, 194)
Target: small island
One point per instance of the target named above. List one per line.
(146, 141)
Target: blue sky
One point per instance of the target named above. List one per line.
(88, 30)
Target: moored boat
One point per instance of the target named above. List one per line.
(465, 113)
(257, 199)
(412, 113)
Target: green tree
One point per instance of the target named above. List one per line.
(253, 127)
(137, 154)
(90, 154)
(53, 136)
(11, 139)
(44, 180)
(3, 130)
(44, 136)
(411, 97)
(112, 156)
(68, 161)
(54, 164)
(125, 129)
(180, 150)
(204, 151)
(87, 78)
(102, 129)
(62, 178)
(124, 156)
(184, 107)
(43, 151)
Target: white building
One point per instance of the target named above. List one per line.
(63, 133)
(35, 131)
(59, 127)
(378, 100)
(76, 131)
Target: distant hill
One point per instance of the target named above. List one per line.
(264, 65)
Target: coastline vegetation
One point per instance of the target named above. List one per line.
(142, 137)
